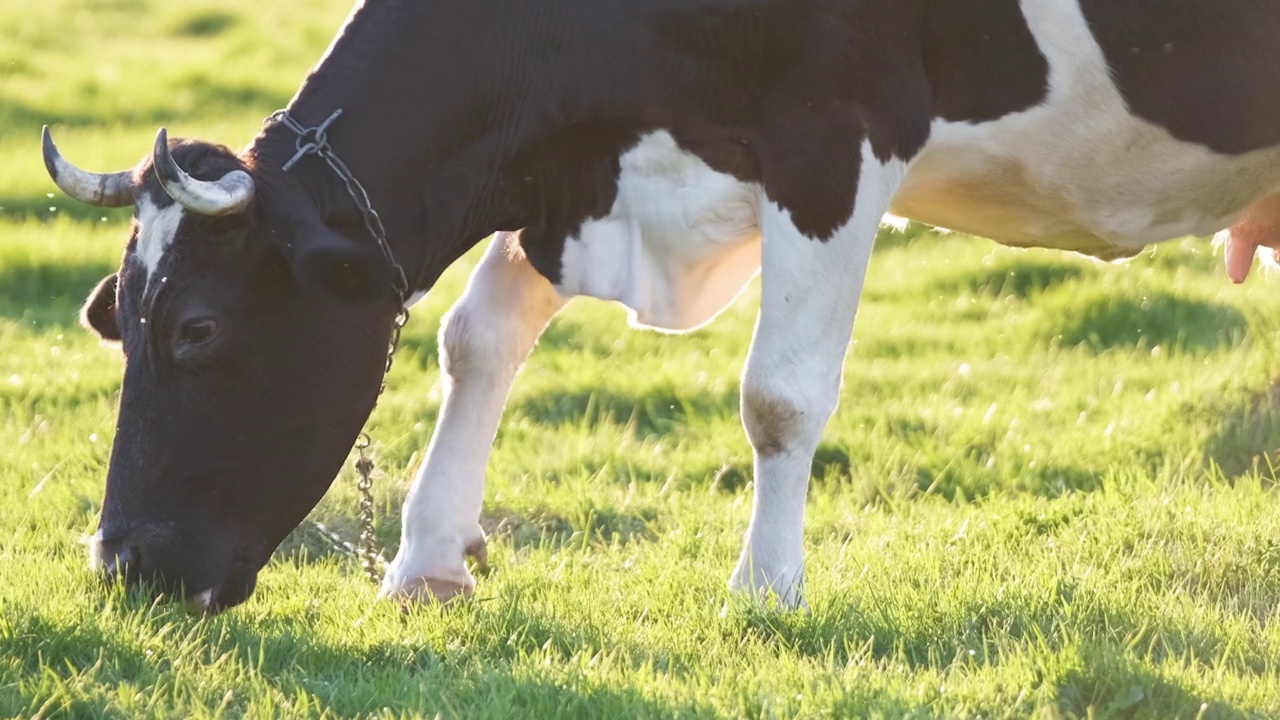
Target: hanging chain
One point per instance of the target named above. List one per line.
(368, 548)
(370, 558)
(314, 141)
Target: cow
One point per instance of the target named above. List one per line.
(656, 153)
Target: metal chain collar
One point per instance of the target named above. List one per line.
(314, 141)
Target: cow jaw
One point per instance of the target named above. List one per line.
(228, 593)
(212, 601)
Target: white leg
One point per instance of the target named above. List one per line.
(484, 339)
(810, 292)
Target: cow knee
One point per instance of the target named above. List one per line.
(493, 328)
(785, 416)
(474, 341)
(457, 341)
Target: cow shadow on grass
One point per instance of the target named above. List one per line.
(408, 675)
(541, 527)
(538, 527)
(652, 411)
(1088, 662)
(1246, 435)
(1099, 321)
(1022, 277)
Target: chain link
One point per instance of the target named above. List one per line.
(314, 141)
(370, 558)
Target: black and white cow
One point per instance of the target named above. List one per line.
(652, 152)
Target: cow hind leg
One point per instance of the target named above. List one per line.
(810, 292)
(484, 339)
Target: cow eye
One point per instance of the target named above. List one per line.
(199, 331)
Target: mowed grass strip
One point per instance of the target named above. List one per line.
(1048, 492)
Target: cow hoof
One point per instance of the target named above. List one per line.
(428, 591)
(439, 587)
(756, 590)
(765, 600)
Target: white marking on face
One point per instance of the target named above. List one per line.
(156, 231)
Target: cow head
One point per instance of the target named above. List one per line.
(254, 331)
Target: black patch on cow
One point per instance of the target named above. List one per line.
(99, 311)
(1208, 71)
(565, 179)
(849, 88)
(350, 272)
(730, 56)
(982, 60)
(785, 93)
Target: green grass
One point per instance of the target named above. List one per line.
(1048, 491)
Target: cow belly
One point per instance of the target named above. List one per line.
(681, 241)
(1106, 196)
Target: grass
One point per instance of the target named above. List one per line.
(1049, 491)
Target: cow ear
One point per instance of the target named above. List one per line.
(349, 272)
(99, 311)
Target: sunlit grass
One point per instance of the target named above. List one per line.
(1048, 491)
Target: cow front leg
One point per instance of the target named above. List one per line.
(484, 339)
(809, 296)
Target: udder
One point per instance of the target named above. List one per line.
(1256, 235)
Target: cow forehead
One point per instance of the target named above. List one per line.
(157, 228)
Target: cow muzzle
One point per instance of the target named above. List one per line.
(155, 558)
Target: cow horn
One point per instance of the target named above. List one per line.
(99, 189)
(230, 195)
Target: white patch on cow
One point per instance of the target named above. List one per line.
(95, 551)
(415, 298)
(484, 339)
(1078, 172)
(809, 297)
(157, 228)
(681, 241)
(204, 599)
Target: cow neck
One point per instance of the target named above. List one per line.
(432, 121)
(310, 143)
(313, 141)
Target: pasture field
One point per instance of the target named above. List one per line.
(1049, 491)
